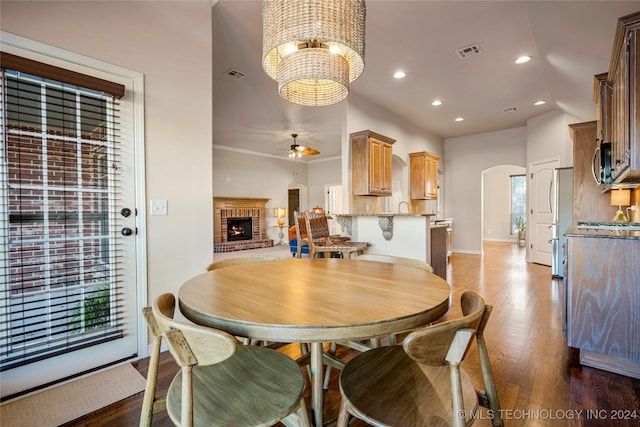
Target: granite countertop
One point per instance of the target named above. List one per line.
(628, 230)
(606, 234)
(633, 226)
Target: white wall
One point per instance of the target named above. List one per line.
(241, 174)
(178, 124)
(464, 160)
(496, 202)
(321, 173)
(548, 136)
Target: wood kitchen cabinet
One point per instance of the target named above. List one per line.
(439, 245)
(371, 156)
(590, 204)
(603, 301)
(625, 109)
(602, 92)
(423, 171)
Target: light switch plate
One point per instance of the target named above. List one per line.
(158, 207)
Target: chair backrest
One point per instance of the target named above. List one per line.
(432, 344)
(190, 344)
(301, 226)
(317, 225)
(397, 260)
(240, 260)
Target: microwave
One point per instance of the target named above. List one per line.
(601, 166)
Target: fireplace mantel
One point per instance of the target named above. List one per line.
(229, 207)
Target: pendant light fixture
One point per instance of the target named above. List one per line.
(313, 48)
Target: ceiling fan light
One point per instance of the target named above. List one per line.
(313, 77)
(321, 26)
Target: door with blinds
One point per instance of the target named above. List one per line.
(68, 301)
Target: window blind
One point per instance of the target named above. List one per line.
(61, 287)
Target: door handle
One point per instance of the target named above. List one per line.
(593, 165)
(126, 231)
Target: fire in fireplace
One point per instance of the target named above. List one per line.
(240, 228)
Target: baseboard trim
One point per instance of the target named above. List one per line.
(608, 363)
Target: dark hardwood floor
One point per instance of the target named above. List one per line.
(539, 380)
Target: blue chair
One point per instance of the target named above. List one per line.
(293, 243)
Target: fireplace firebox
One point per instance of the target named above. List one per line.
(239, 228)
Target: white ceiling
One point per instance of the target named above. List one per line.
(570, 42)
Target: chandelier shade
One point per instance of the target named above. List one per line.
(313, 48)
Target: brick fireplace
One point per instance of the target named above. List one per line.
(253, 209)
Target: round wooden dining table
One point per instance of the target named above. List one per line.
(314, 301)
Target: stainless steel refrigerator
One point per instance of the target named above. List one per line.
(561, 198)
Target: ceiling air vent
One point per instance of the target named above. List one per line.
(469, 51)
(235, 74)
(510, 110)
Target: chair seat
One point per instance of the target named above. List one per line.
(372, 381)
(344, 248)
(254, 385)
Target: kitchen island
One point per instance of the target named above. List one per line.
(602, 304)
(399, 234)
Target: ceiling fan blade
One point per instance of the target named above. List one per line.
(307, 150)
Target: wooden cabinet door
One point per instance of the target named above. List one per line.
(603, 299)
(423, 169)
(430, 178)
(376, 166)
(625, 101)
(590, 204)
(387, 158)
(602, 96)
(371, 155)
(620, 123)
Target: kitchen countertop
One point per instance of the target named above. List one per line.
(385, 214)
(629, 230)
(606, 234)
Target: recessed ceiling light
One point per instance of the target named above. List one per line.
(540, 102)
(522, 59)
(399, 75)
(458, 119)
(436, 103)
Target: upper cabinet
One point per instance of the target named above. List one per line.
(423, 171)
(371, 158)
(624, 109)
(590, 204)
(602, 98)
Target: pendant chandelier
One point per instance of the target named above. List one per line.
(313, 48)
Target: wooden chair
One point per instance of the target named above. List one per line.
(240, 260)
(320, 241)
(301, 233)
(220, 383)
(420, 383)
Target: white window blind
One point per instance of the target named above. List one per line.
(60, 287)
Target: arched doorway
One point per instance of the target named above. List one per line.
(497, 203)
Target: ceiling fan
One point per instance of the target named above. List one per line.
(296, 151)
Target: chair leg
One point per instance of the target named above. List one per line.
(146, 415)
(489, 383)
(186, 409)
(327, 375)
(343, 415)
(393, 339)
(303, 415)
(456, 396)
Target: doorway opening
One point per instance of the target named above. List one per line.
(497, 208)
